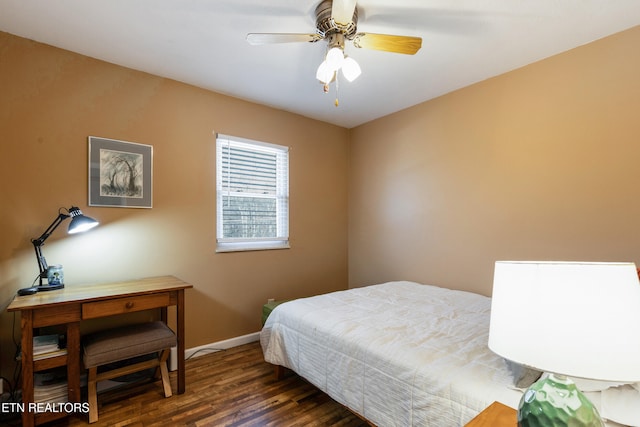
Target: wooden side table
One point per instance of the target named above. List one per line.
(495, 415)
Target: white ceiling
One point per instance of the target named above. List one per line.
(202, 42)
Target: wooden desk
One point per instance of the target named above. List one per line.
(496, 415)
(70, 305)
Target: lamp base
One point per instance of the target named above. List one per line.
(555, 401)
(50, 287)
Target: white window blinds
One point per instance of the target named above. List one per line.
(252, 194)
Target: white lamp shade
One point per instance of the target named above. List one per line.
(573, 318)
(335, 58)
(324, 73)
(350, 69)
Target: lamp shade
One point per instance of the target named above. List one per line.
(335, 58)
(579, 319)
(324, 73)
(80, 222)
(350, 69)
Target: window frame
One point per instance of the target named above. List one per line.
(235, 244)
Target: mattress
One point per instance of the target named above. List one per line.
(398, 353)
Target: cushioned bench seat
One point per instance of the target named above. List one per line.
(126, 342)
(114, 345)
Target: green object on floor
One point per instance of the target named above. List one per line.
(268, 308)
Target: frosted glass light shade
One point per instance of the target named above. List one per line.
(324, 73)
(335, 58)
(580, 319)
(350, 69)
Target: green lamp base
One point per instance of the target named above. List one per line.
(555, 401)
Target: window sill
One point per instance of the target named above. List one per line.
(250, 246)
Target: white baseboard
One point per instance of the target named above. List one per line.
(211, 348)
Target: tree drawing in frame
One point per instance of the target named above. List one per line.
(121, 174)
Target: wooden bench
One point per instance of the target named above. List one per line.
(114, 345)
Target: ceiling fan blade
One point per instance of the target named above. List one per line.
(270, 38)
(342, 11)
(397, 44)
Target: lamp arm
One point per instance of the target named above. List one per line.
(37, 243)
(42, 263)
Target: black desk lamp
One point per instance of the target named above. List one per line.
(79, 223)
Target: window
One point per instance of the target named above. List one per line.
(252, 183)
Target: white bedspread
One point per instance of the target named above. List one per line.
(399, 353)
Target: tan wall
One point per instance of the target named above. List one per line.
(50, 102)
(539, 163)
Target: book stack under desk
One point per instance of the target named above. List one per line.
(45, 346)
(49, 351)
(50, 386)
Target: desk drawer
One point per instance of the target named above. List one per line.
(92, 310)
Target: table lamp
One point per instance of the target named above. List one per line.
(578, 319)
(79, 223)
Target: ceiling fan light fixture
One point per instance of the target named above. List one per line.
(350, 69)
(336, 24)
(325, 73)
(335, 58)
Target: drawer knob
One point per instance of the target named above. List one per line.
(129, 304)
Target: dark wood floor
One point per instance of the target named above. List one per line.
(234, 387)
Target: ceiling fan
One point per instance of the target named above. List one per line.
(336, 22)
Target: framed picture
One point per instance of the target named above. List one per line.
(120, 173)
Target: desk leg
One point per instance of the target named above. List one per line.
(180, 337)
(26, 324)
(163, 315)
(73, 361)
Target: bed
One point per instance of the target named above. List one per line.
(398, 353)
